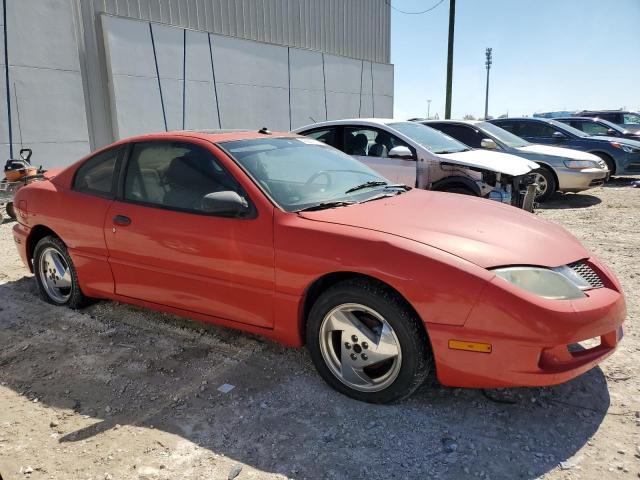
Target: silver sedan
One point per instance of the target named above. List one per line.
(562, 169)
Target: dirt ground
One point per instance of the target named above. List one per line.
(116, 392)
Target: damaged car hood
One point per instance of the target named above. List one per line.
(493, 161)
(481, 231)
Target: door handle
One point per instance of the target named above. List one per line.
(121, 220)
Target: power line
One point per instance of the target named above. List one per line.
(388, 2)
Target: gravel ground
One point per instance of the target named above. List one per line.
(117, 392)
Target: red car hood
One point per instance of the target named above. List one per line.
(481, 231)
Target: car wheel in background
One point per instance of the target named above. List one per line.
(10, 210)
(546, 184)
(55, 274)
(611, 164)
(367, 343)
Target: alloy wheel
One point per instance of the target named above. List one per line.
(55, 275)
(360, 347)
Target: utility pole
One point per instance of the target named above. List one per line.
(452, 21)
(486, 98)
(428, 109)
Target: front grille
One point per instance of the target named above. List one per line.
(585, 271)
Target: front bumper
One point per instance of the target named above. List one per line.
(531, 338)
(629, 164)
(571, 180)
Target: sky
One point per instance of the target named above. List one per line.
(547, 55)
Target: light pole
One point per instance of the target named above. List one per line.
(428, 109)
(452, 23)
(488, 65)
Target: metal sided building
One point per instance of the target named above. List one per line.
(78, 74)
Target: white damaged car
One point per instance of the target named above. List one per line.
(420, 156)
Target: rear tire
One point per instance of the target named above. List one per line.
(55, 274)
(367, 343)
(547, 184)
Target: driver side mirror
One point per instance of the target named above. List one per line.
(612, 133)
(559, 135)
(401, 152)
(489, 144)
(227, 203)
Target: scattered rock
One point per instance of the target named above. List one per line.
(234, 472)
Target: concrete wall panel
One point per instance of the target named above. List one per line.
(245, 106)
(342, 105)
(342, 74)
(383, 106)
(128, 47)
(198, 62)
(137, 107)
(50, 104)
(382, 79)
(245, 62)
(172, 98)
(41, 33)
(306, 70)
(366, 106)
(367, 78)
(169, 42)
(201, 106)
(306, 106)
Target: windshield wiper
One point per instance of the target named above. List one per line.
(371, 183)
(325, 205)
(377, 183)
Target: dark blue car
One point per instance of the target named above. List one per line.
(598, 126)
(622, 155)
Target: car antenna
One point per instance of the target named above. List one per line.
(264, 131)
(312, 119)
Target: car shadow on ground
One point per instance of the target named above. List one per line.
(621, 182)
(569, 200)
(125, 366)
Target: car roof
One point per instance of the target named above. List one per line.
(213, 136)
(604, 111)
(466, 122)
(371, 122)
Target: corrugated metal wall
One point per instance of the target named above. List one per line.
(352, 28)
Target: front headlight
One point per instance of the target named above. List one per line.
(625, 148)
(580, 164)
(544, 282)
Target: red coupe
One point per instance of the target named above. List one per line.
(286, 237)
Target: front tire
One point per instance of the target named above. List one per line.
(546, 184)
(55, 274)
(366, 342)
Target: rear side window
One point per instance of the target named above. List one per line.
(96, 176)
(467, 135)
(534, 129)
(326, 135)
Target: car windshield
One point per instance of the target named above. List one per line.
(502, 135)
(430, 138)
(563, 127)
(301, 173)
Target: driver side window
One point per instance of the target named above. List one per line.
(174, 175)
